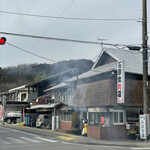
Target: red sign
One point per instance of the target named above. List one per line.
(1, 116)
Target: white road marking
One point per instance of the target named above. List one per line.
(4, 142)
(66, 143)
(102, 146)
(18, 131)
(48, 140)
(30, 139)
(140, 148)
(16, 140)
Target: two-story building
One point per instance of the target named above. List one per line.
(43, 102)
(63, 93)
(16, 99)
(37, 89)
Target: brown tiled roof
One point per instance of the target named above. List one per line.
(93, 94)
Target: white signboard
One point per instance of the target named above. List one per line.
(120, 82)
(143, 127)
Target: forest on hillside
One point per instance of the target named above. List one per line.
(12, 77)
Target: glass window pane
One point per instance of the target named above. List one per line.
(97, 118)
(115, 117)
(91, 115)
(121, 117)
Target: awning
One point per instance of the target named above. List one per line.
(43, 106)
(46, 106)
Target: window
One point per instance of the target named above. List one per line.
(32, 89)
(94, 118)
(23, 97)
(66, 116)
(119, 117)
(46, 117)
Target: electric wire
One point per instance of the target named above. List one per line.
(59, 17)
(53, 22)
(31, 53)
(69, 18)
(51, 25)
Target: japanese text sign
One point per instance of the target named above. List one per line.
(120, 82)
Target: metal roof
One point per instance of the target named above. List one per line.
(57, 86)
(132, 63)
(133, 60)
(23, 87)
(50, 77)
(94, 72)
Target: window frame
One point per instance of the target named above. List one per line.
(93, 119)
(118, 114)
(66, 116)
(23, 96)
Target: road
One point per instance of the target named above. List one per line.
(11, 139)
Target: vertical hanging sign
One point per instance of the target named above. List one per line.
(143, 134)
(120, 82)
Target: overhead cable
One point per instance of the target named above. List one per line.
(59, 15)
(31, 53)
(69, 18)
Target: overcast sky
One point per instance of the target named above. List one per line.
(117, 32)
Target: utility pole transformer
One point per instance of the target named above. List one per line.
(145, 59)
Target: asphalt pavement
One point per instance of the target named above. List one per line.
(70, 138)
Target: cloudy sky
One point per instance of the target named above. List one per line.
(116, 31)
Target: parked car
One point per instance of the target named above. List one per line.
(44, 121)
(12, 117)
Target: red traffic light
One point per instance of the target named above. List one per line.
(2, 40)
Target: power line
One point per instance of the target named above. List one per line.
(51, 25)
(31, 53)
(68, 18)
(59, 15)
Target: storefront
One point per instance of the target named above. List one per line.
(112, 123)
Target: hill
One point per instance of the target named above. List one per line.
(27, 73)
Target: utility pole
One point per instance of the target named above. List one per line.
(145, 69)
(145, 59)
